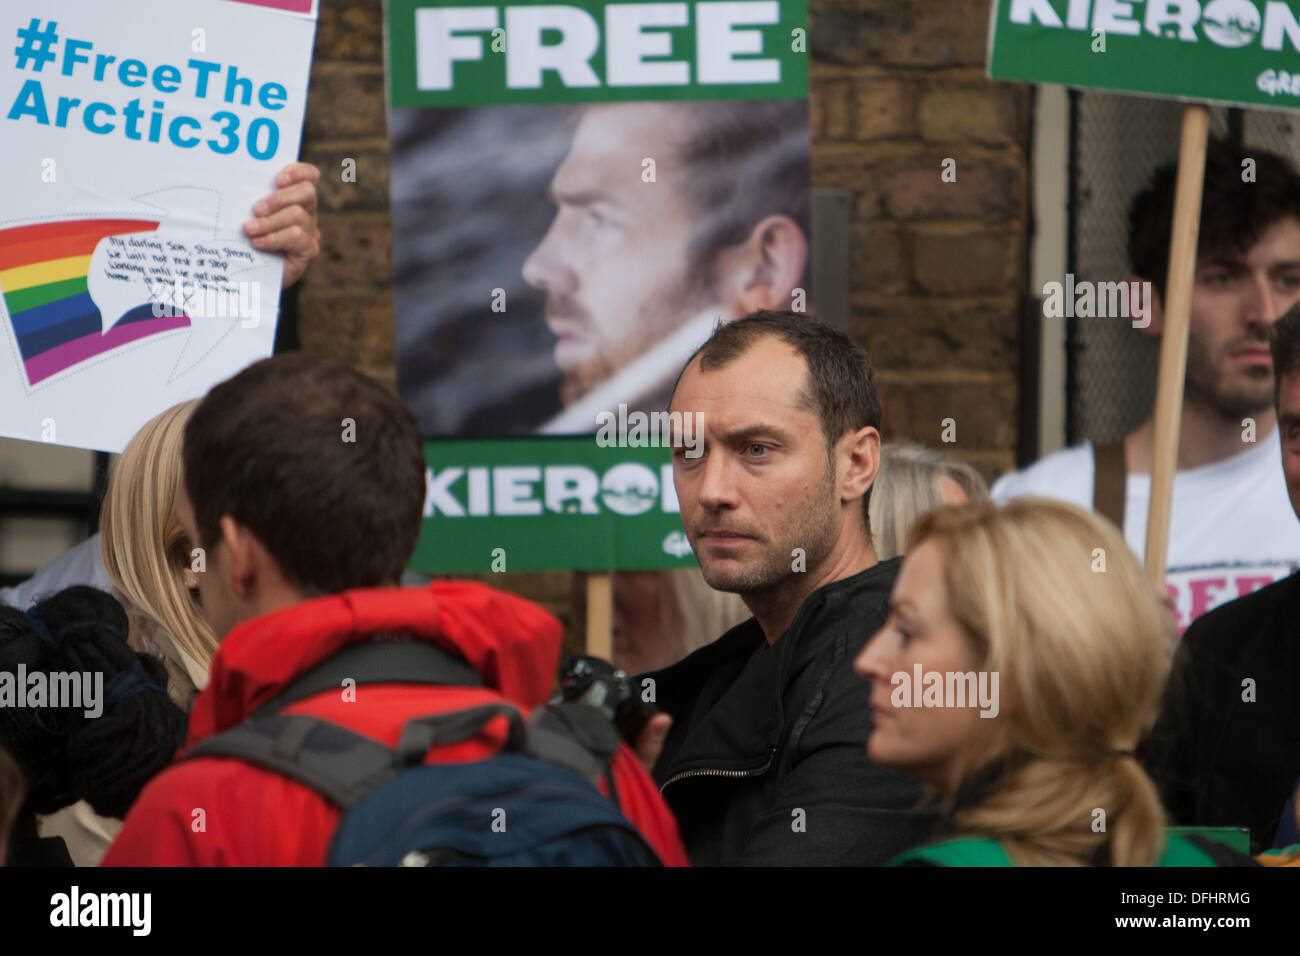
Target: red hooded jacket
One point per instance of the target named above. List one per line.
(224, 812)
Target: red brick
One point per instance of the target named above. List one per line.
(345, 101)
(984, 413)
(966, 260)
(350, 30)
(886, 109)
(368, 170)
(909, 333)
(916, 33)
(879, 258)
(985, 113)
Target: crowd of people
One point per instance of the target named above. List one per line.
(921, 674)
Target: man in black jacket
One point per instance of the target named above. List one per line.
(765, 761)
(1225, 750)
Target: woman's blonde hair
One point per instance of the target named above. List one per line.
(907, 486)
(146, 552)
(706, 614)
(1056, 604)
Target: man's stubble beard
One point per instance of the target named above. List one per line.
(695, 293)
(1207, 384)
(816, 536)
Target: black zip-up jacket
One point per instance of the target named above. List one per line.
(766, 760)
(1225, 750)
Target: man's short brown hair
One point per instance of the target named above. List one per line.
(839, 384)
(745, 161)
(319, 461)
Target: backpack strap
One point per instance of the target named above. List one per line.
(1110, 482)
(575, 736)
(343, 766)
(381, 661)
(338, 763)
(422, 734)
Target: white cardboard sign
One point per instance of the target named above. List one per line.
(135, 136)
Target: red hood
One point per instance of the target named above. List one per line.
(511, 642)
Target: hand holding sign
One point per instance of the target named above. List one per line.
(287, 220)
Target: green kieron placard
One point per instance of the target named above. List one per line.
(1227, 51)
(538, 504)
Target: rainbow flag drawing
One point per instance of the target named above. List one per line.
(57, 325)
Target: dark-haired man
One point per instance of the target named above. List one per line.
(1230, 529)
(669, 217)
(765, 761)
(303, 483)
(1226, 749)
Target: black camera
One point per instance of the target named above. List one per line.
(598, 683)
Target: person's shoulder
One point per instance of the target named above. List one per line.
(858, 603)
(848, 594)
(958, 851)
(681, 681)
(211, 810)
(738, 641)
(82, 564)
(1062, 474)
(1192, 850)
(188, 780)
(1256, 613)
(159, 827)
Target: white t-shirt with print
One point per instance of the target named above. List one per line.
(1231, 530)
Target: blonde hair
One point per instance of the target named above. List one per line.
(706, 614)
(907, 486)
(145, 553)
(1056, 604)
(690, 614)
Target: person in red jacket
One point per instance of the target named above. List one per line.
(302, 487)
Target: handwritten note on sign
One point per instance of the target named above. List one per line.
(197, 279)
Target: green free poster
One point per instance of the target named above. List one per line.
(476, 53)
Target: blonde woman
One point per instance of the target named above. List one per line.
(148, 558)
(1021, 664)
(912, 480)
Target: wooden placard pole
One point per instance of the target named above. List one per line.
(600, 615)
(1173, 335)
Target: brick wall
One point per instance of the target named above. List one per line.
(897, 88)
(346, 301)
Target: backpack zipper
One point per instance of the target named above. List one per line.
(721, 773)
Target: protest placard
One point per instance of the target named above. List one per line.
(567, 181)
(137, 136)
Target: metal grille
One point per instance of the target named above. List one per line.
(1118, 142)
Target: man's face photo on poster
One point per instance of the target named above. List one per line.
(636, 227)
